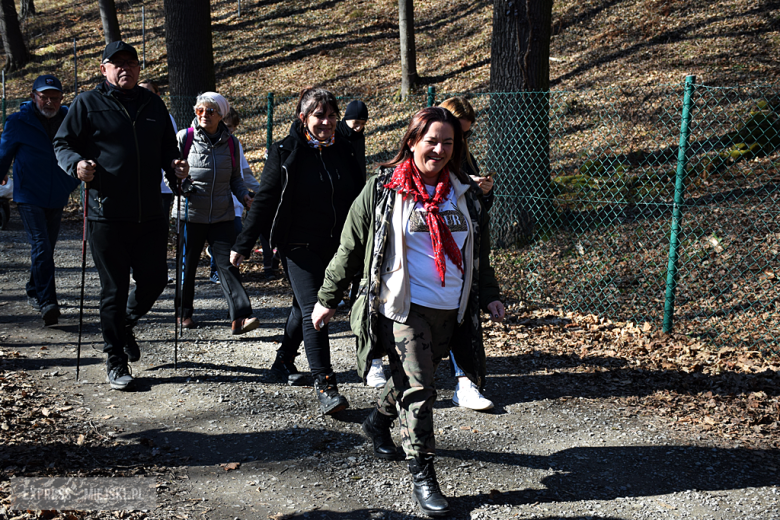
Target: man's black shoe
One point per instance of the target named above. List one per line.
(286, 372)
(50, 314)
(132, 349)
(119, 377)
(377, 428)
(426, 490)
(328, 394)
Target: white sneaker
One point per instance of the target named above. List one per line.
(376, 374)
(467, 395)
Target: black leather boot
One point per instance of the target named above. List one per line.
(426, 490)
(328, 394)
(285, 371)
(377, 428)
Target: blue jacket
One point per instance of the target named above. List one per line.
(38, 179)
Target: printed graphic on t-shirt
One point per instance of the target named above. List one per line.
(452, 217)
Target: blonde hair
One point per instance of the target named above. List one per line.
(462, 109)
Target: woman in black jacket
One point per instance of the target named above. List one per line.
(308, 184)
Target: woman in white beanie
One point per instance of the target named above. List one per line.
(215, 171)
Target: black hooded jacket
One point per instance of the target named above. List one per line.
(129, 152)
(357, 140)
(304, 195)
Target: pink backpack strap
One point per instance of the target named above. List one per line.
(232, 146)
(191, 137)
(188, 141)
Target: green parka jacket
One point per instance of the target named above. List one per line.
(368, 223)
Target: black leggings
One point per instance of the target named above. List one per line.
(220, 237)
(305, 267)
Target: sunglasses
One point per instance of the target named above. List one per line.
(209, 111)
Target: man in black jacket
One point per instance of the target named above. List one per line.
(116, 138)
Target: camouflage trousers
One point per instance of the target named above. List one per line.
(414, 350)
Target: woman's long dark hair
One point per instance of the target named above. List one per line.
(417, 129)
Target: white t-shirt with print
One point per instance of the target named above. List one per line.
(426, 288)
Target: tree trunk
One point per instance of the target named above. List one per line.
(28, 9)
(518, 124)
(16, 55)
(409, 78)
(110, 22)
(190, 55)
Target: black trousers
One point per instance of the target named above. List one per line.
(220, 237)
(118, 247)
(305, 267)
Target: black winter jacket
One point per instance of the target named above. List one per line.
(466, 168)
(289, 161)
(357, 140)
(129, 153)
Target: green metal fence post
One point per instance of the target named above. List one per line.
(431, 95)
(674, 239)
(269, 127)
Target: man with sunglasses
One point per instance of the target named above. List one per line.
(116, 138)
(41, 188)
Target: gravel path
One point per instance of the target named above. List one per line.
(537, 455)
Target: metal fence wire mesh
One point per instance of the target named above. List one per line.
(597, 184)
(653, 205)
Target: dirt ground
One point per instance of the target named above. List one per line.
(223, 441)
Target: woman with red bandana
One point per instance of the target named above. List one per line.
(420, 235)
(309, 182)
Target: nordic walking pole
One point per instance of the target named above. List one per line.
(177, 295)
(83, 271)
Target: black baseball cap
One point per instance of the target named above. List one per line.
(47, 82)
(118, 46)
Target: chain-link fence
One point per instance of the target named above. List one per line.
(652, 205)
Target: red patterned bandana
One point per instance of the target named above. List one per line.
(314, 143)
(408, 181)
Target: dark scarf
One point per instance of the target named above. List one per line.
(408, 181)
(50, 124)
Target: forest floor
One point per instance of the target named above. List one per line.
(351, 46)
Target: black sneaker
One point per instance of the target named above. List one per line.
(328, 395)
(119, 377)
(132, 349)
(286, 372)
(50, 314)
